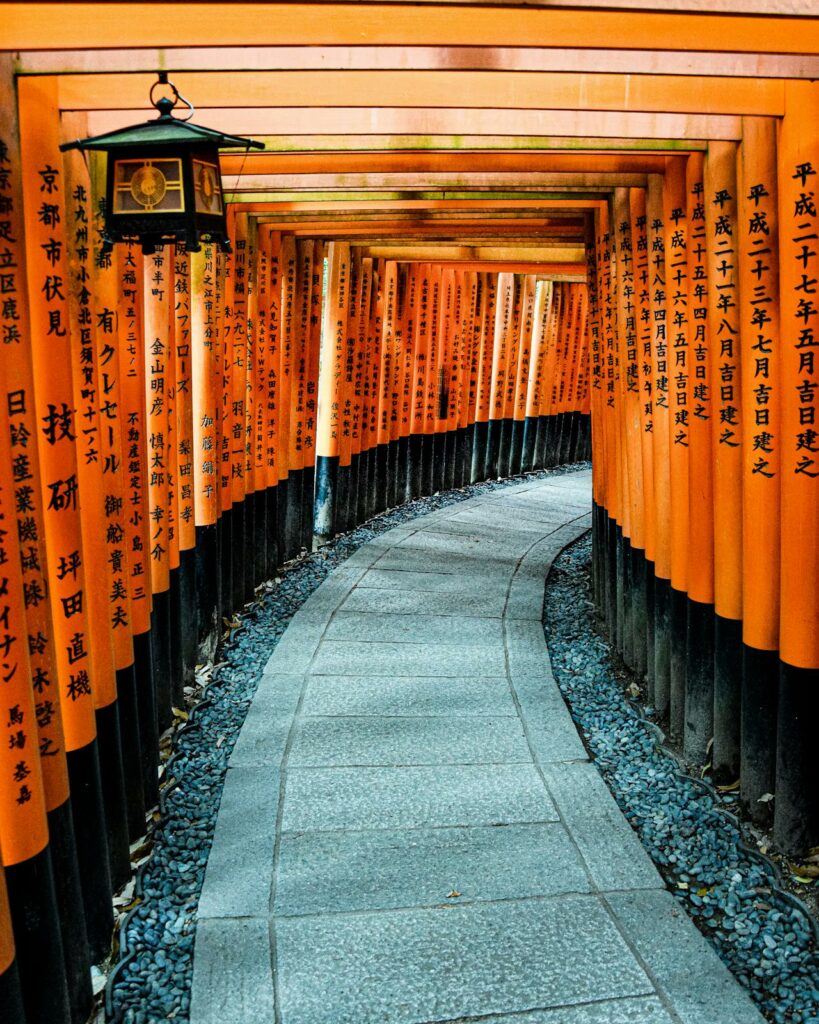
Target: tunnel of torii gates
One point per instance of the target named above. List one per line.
(480, 240)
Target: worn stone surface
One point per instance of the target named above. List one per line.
(408, 695)
(323, 872)
(336, 798)
(405, 740)
(443, 963)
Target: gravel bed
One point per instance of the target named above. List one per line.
(730, 891)
(151, 980)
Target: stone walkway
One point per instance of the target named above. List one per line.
(410, 829)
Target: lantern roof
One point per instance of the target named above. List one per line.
(165, 130)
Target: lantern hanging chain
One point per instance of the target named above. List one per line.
(162, 79)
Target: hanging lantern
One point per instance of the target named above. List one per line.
(163, 184)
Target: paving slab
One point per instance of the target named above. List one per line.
(233, 972)
(549, 727)
(688, 972)
(408, 695)
(328, 872)
(408, 740)
(414, 797)
(418, 602)
(411, 830)
(611, 849)
(440, 964)
(336, 657)
(418, 628)
(431, 582)
(239, 875)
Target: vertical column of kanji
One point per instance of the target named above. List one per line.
(93, 505)
(105, 286)
(373, 382)
(184, 443)
(534, 385)
(386, 353)
(241, 529)
(451, 368)
(361, 408)
(353, 375)
(24, 840)
(796, 815)
(443, 353)
(483, 395)
(420, 349)
(331, 370)
(271, 241)
(257, 564)
(53, 406)
(579, 373)
(137, 527)
(561, 344)
(522, 372)
(253, 522)
(431, 381)
(699, 687)
(300, 325)
(677, 318)
(643, 567)
(563, 328)
(225, 425)
(726, 440)
(156, 341)
(24, 530)
(628, 397)
(404, 490)
(600, 468)
(662, 442)
(288, 278)
(547, 436)
(476, 300)
(464, 447)
(259, 314)
(345, 450)
(756, 245)
(203, 446)
(582, 390)
(360, 389)
(614, 578)
(394, 470)
(573, 370)
(504, 303)
(512, 350)
(171, 468)
(568, 336)
(311, 354)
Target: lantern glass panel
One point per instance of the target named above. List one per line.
(207, 187)
(148, 186)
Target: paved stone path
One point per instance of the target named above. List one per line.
(410, 829)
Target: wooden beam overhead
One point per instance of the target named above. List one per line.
(31, 26)
(435, 162)
(502, 90)
(346, 122)
(420, 58)
(426, 180)
(476, 253)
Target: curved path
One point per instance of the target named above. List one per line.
(410, 829)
